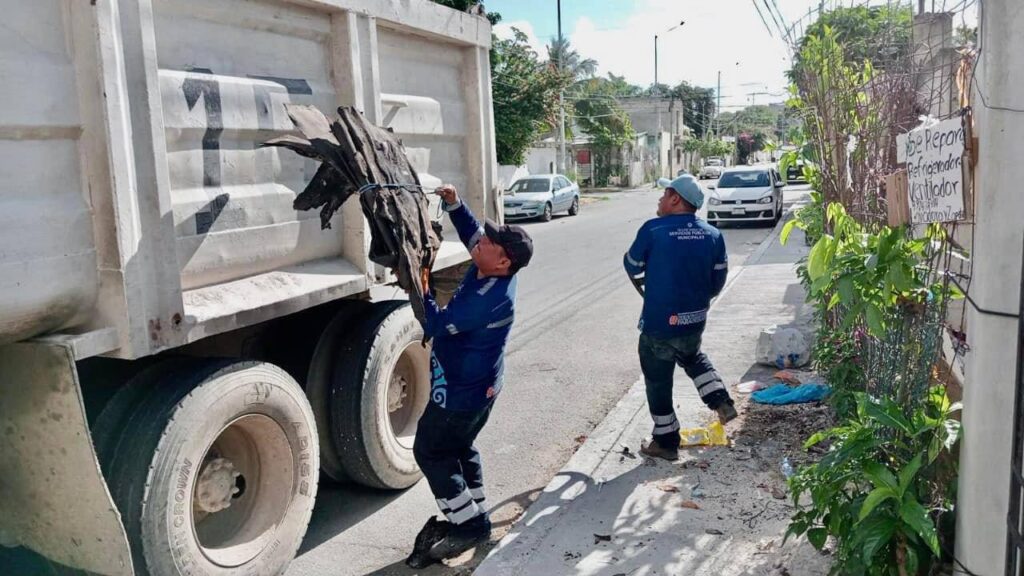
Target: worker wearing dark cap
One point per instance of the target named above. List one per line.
(467, 365)
(682, 262)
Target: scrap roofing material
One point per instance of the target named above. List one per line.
(360, 158)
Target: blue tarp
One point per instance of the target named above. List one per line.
(782, 394)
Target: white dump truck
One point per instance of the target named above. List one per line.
(182, 354)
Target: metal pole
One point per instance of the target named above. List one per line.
(561, 97)
(656, 63)
(718, 106)
(657, 90)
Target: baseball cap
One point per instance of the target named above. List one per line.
(514, 239)
(687, 188)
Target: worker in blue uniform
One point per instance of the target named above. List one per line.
(467, 364)
(681, 262)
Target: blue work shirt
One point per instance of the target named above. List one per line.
(468, 359)
(684, 264)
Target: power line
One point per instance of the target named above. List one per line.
(763, 21)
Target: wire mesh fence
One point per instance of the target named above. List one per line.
(866, 72)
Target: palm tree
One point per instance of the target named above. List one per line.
(561, 55)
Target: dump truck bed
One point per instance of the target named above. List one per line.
(137, 207)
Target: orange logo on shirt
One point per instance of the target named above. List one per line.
(491, 392)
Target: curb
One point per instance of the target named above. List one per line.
(542, 516)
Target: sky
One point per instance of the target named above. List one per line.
(726, 36)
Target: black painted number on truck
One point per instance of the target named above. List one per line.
(202, 84)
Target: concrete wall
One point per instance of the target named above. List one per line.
(660, 116)
(509, 174)
(936, 59)
(653, 114)
(989, 389)
(543, 160)
(665, 155)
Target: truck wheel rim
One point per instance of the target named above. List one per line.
(408, 392)
(235, 520)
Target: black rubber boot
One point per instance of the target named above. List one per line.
(462, 538)
(433, 531)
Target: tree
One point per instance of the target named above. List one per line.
(878, 34)
(623, 89)
(598, 114)
(468, 5)
(966, 36)
(747, 144)
(753, 120)
(698, 106)
(708, 147)
(525, 94)
(698, 103)
(561, 55)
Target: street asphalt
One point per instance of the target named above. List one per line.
(571, 357)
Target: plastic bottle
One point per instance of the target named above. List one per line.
(787, 468)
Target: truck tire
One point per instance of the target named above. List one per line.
(381, 386)
(318, 383)
(213, 467)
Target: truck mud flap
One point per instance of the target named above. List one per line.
(52, 492)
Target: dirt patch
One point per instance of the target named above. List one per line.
(777, 432)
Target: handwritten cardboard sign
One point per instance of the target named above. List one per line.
(934, 156)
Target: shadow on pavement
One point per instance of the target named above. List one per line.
(503, 514)
(635, 523)
(340, 507)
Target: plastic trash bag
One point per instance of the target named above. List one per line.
(750, 386)
(711, 435)
(782, 394)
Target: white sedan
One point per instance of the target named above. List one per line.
(541, 196)
(746, 194)
(713, 169)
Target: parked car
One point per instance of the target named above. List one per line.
(795, 172)
(712, 169)
(746, 194)
(541, 196)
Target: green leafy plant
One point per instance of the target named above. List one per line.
(880, 487)
(810, 219)
(871, 273)
(525, 93)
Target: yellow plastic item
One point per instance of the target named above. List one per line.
(711, 435)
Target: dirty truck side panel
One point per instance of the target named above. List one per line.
(173, 224)
(52, 491)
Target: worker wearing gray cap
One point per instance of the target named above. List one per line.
(681, 263)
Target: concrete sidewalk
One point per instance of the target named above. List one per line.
(610, 512)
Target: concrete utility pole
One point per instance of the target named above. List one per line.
(681, 22)
(561, 97)
(985, 511)
(656, 89)
(718, 106)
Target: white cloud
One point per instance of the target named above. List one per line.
(719, 35)
(504, 31)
